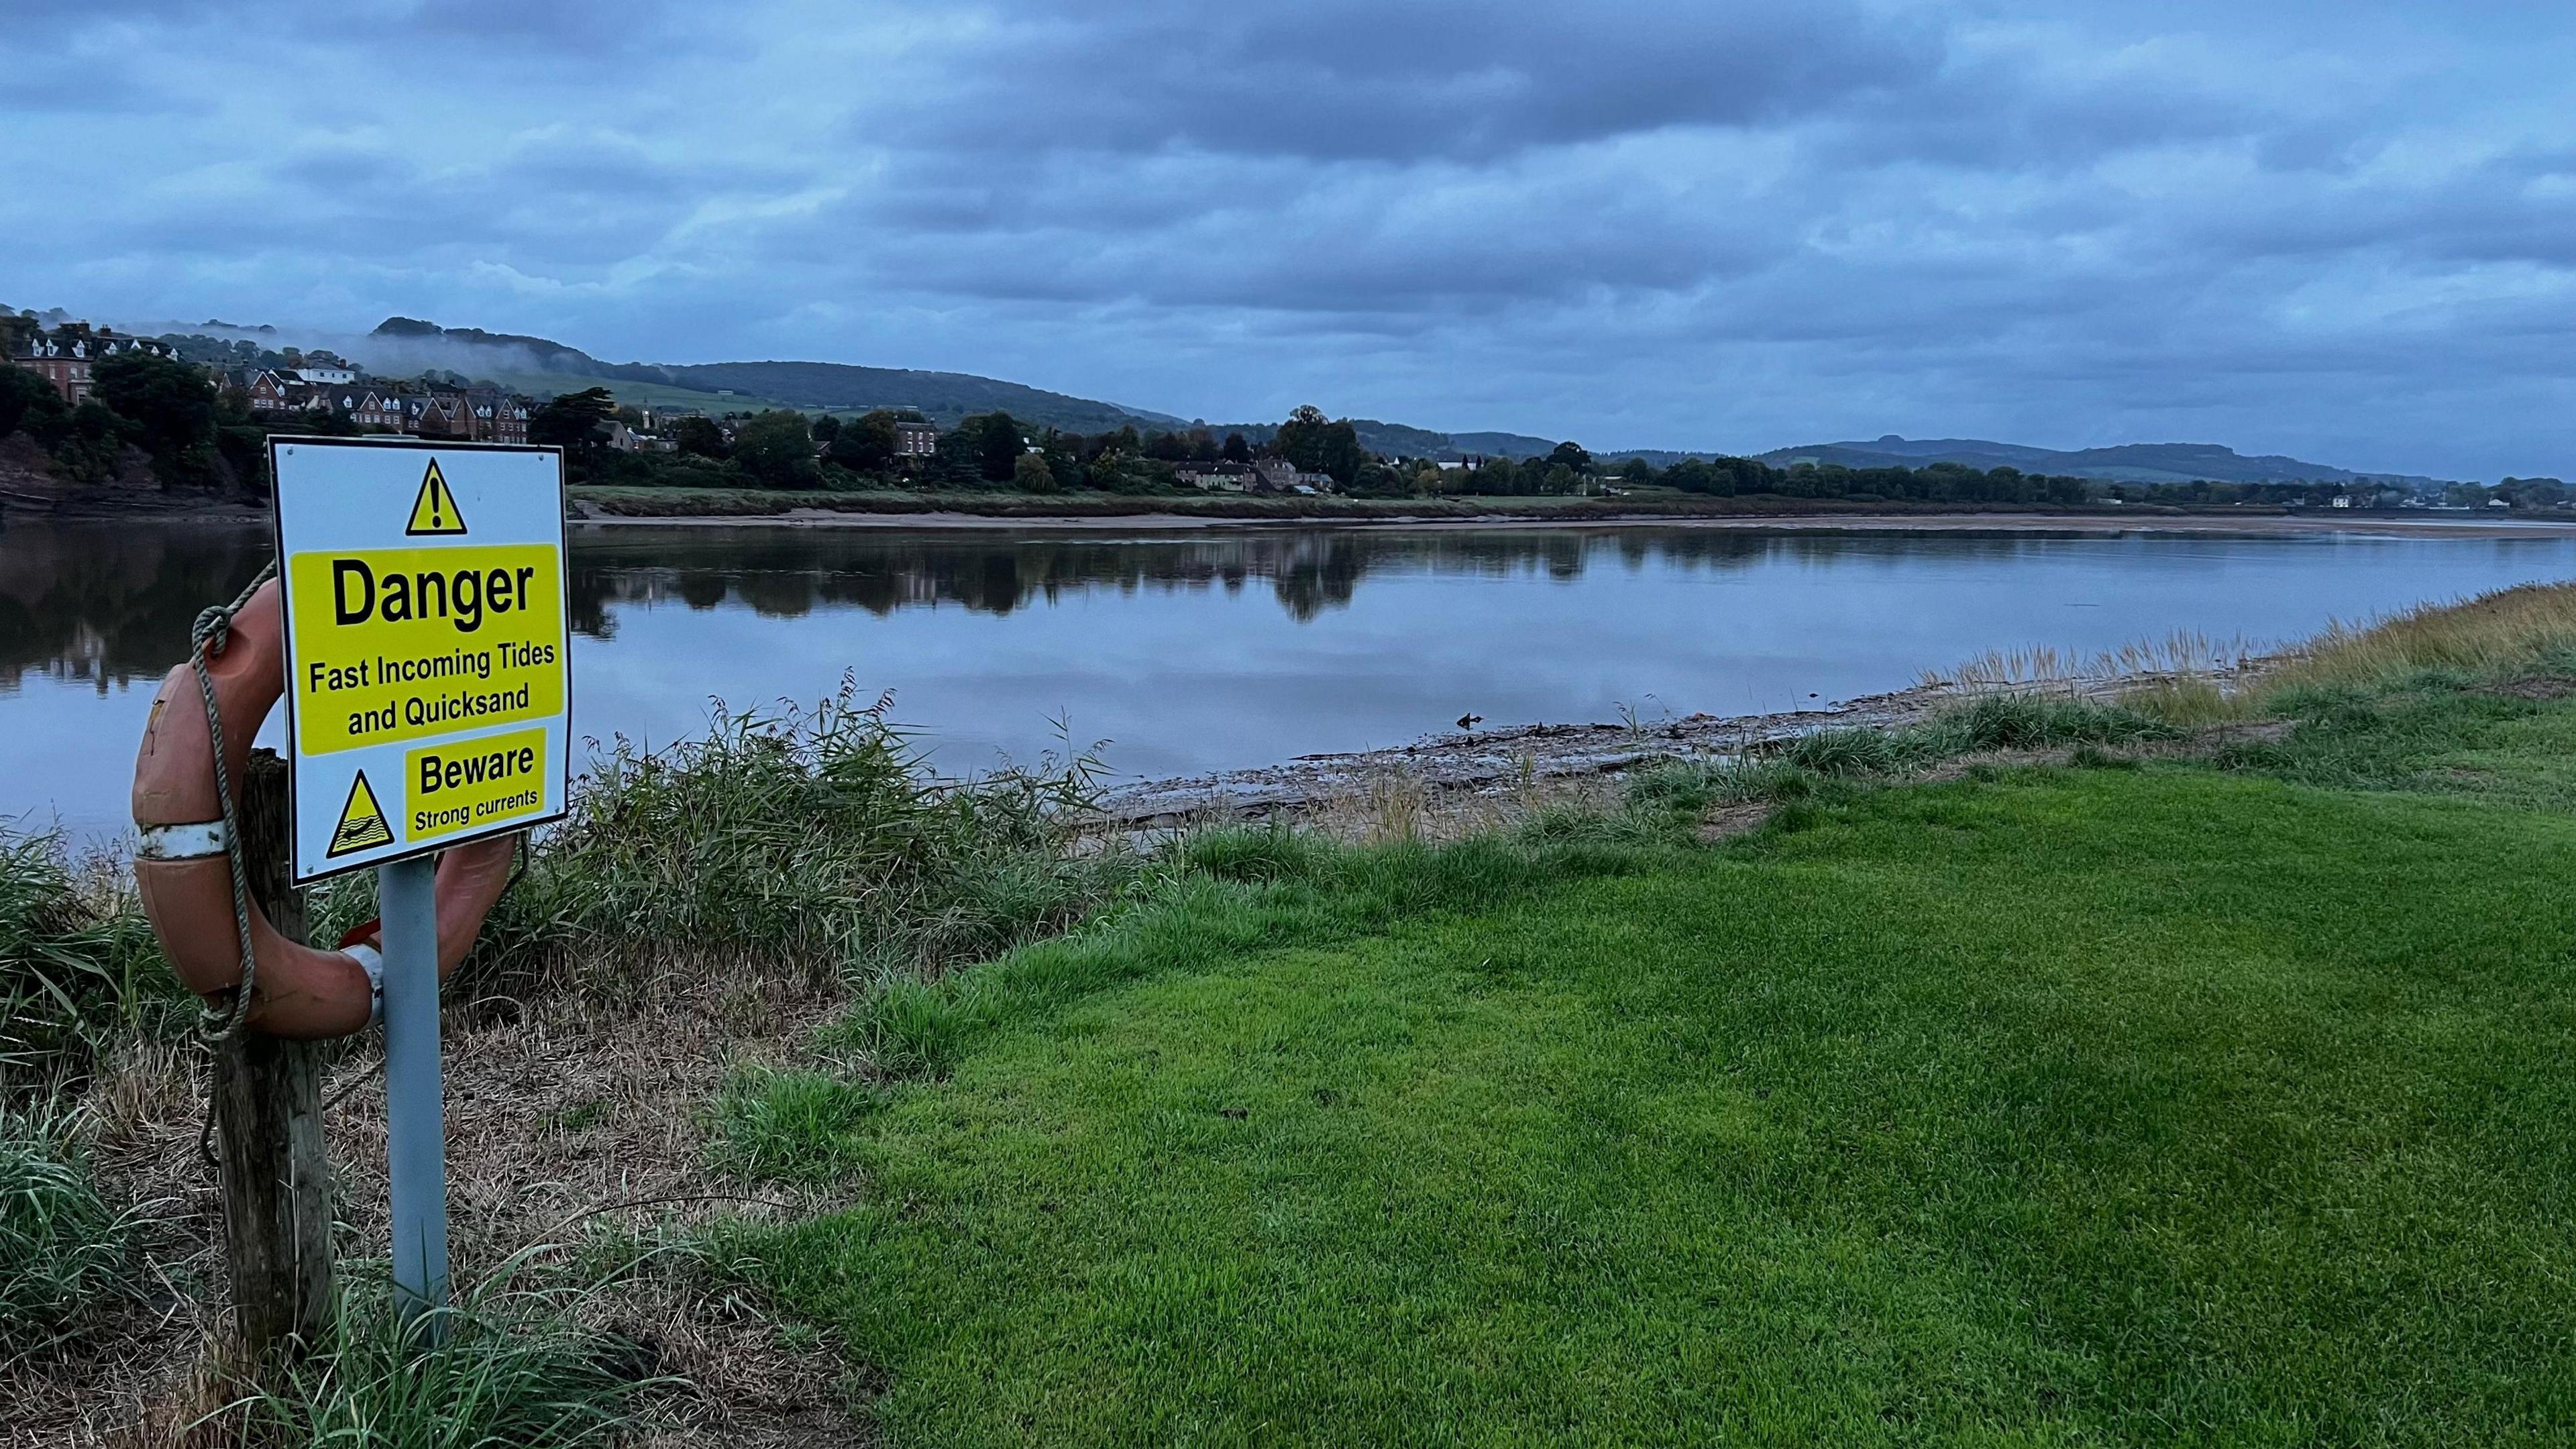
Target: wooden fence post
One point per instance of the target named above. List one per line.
(276, 1172)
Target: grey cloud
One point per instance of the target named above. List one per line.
(78, 91)
(574, 26)
(1652, 224)
(1341, 80)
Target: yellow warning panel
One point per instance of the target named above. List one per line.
(434, 511)
(475, 784)
(402, 645)
(427, 643)
(362, 821)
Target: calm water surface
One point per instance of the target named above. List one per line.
(1192, 652)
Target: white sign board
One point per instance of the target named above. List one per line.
(428, 684)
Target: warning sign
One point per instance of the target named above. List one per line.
(488, 780)
(434, 511)
(426, 647)
(424, 642)
(362, 821)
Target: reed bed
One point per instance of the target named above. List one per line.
(2184, 653)
(2188, 679)
(805, 843)
(78, 966)
(2526, 627)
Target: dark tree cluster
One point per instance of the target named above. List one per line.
(1317, 445)
(1570, 469)
(2533, 493)
(996, 452)
(989, 451)
(166, 408)
(577, 422)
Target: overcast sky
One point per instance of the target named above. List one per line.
(2345, 231)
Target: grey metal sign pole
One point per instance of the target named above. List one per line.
(442, 565)
(415, 1113)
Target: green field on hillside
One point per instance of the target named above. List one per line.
(2225, 1101)
(543, 385)
(934, 396)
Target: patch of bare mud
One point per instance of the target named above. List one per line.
(1446, 785)
(1725, 822)
(2538, 688)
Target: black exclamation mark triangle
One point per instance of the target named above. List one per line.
(434, 511)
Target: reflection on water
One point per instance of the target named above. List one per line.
(783, 574)
(106, 604)
(1209, 650)
(109, 603)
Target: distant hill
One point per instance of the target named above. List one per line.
(2128, 463)
(1660, 457)
(1508, 445)
(402, 346)
(943, 397)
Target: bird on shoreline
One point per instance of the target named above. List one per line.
(1470, 721)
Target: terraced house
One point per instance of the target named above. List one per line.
(501, 419)
(65, 355)
(478, 415)
(284, 390)
(372, 409)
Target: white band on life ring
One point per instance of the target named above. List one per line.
(371, 961)
(180, 842)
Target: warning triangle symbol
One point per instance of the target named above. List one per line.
(362, 821)
(434, 511)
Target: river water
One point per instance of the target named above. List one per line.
(1197, 651)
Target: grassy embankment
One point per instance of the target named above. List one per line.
(2048, 1073)
(695, 898)
(637, 502)
(2152, 1096)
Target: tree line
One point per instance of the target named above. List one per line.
(989, 451)
(193, 436)
(196, 435)
(995, 452)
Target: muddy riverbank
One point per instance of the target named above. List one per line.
(1475, 777)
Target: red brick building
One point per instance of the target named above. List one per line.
(501, 419)
(65, 356)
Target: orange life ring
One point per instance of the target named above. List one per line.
(186, 880)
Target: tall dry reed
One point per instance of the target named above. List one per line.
(2523, 627)
(2183, 653)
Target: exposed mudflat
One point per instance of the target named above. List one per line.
(1540, 763)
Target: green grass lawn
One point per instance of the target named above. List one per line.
(2074, 1106)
